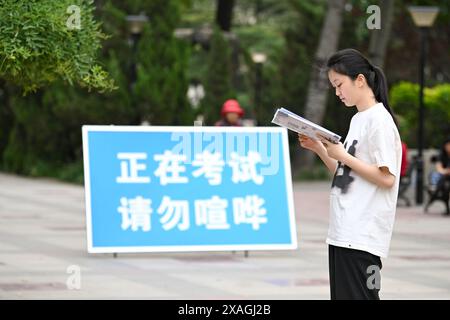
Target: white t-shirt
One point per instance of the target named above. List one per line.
(361, 213)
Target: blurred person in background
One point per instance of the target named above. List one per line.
(231, 113)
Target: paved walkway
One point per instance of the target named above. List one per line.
(42, 233)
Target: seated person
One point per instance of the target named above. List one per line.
(440, 178)
(443, 163)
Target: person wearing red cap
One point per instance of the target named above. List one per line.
(231, 114)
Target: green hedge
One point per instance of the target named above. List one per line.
(404, 98)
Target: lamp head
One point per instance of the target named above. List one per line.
(423, 16)
(136, 23)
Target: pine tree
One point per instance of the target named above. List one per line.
(217, 81)
(161, 86)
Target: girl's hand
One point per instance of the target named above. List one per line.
(335, 151)
(310, 144)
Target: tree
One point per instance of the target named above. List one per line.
(217, 81)
(161, 87)
(42, 135)
(318, 85)
(6, 116)
(295, 62)
(42, 41)
(380, 37)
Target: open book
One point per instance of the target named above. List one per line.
(294, 122)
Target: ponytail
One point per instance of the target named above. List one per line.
(380, 89)
(351, 62)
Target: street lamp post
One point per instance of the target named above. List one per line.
(135, 25)
(259, 59)
(423, 18)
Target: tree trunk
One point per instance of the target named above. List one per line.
(318, 83)
(380, 37)
(257, 10)
(224, 14)
(6, 116)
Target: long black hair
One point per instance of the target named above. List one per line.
(351, 62)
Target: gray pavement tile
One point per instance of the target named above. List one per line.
(43, 233)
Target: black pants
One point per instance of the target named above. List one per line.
(354, 274)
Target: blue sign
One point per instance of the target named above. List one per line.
(151, 188)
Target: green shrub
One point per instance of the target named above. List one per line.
(404, 99)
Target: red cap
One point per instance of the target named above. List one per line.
(232, 105)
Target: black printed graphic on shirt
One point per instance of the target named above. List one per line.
(343, 181)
